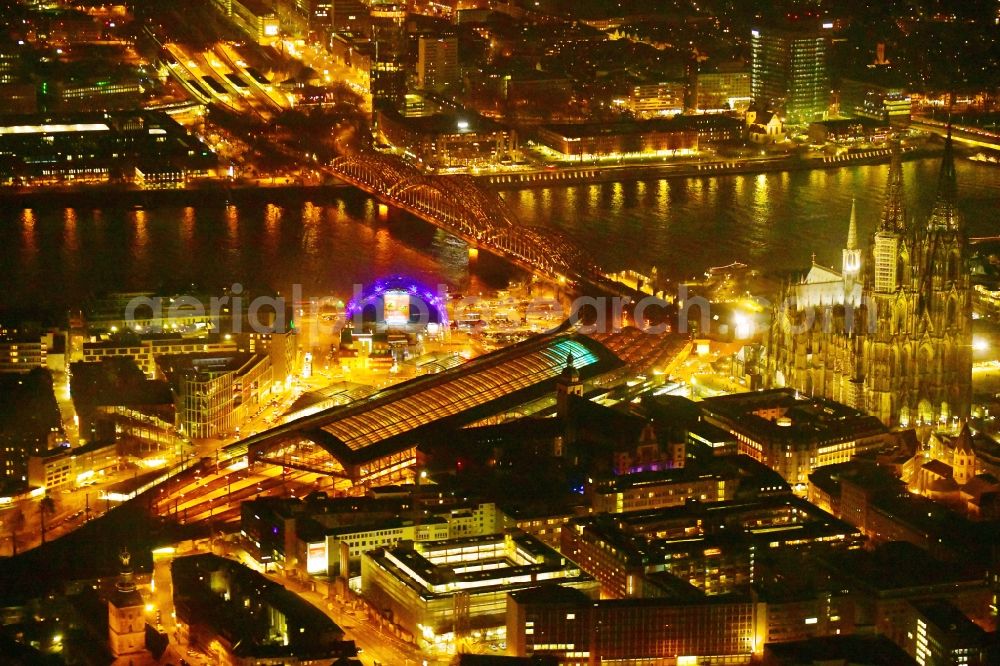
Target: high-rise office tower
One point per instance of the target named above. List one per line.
(388, 76)
(437, 61)
(789, 71)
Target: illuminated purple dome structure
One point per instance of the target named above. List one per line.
(398, 302)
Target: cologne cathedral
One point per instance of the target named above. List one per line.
(891, 332)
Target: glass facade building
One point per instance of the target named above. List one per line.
(790, 72)
(388, 75)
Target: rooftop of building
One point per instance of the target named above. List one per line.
(674, 587)
(198, 581)
(705, 468)
(938, 467)
(53, 452)
(551, 594)
(26, 124)
(496, 561)
(737, 524)
(866, 474)
(103, 384)
(318, 517)
(592, 418)
(157, 339)
(390, 524)
(452, 122)
(794, 418)
(883, 77)
(953, 622)
(896, 567)
(846, 123)
(677, 409)
(858, 650)
(799, 27)
(207, 363)
(936, 522)
(710, 433)
(337, 393)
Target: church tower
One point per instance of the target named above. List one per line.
(964, 461)
(569, 383)
(126, 624)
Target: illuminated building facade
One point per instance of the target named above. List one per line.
(657, 99)
(942, 634)
(891, 334)
(437, 62)
(448, 140)
(94, 146)
(17, 97)
(152, 176)
(51, 469)
(62, 467)
(790, 71)
(597, 140)
(388, 67)
(338, 550)
(855, 130)
(722, 90)
(19, 353)
(97, 96)
(891, 580)
(716, 479)
(280, 347)
(793, 434)
(348, 16)
(561, 622)
(215, 393)
(438, 590)
(876, 97)
(253, 17)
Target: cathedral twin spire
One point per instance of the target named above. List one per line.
(944, 215)
(894, 211)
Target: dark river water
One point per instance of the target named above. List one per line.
(58, 258)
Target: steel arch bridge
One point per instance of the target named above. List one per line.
(470, 212)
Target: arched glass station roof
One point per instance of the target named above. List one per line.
(390, 420)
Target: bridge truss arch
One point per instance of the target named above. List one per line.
(460, 205)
